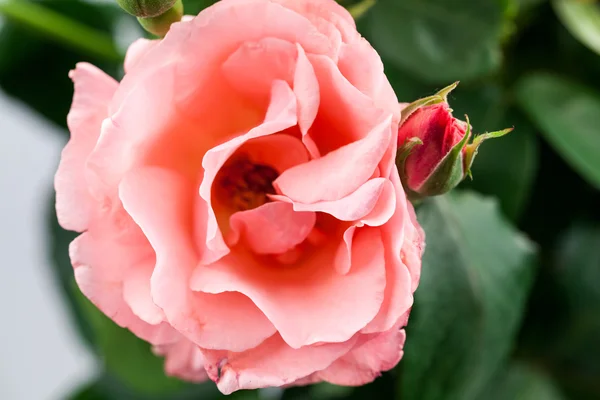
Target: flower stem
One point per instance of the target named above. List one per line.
(60, 28)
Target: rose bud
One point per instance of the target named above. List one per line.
(147, 8)
(155, 16)
(434, 153)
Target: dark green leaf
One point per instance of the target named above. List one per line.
(521, 382)
(569, 117)
(575, 351)
(193, 7)
(127, 357)
(505, 168)
(582, 19)
(24, 51)
(439, 41)
(477, 271)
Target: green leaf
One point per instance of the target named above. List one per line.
(504, 168)
(439, 41)
(522, 382)
(193, 7)
(127, 357)
(477, 272)
(574, 349)
(582, 19)
(568, 115)
(23, 51)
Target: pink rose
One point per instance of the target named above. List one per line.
(238, 198)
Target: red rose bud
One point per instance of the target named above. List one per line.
(434, 153)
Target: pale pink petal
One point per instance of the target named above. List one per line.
(338, 173)
(281, 115)
(136, 292)
(413, 246)
(161, 202)
(183, 359)
(344, 252)
(367, 361)
(136, 52)
(384, 208)
(400, 286)
(310, 302)
(272, 228)
(93, 91)
(306, 88)
(100, 266)
(372, 203)
(273, 363)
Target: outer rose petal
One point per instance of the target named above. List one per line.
(379, 353)
(136, 51)
(160, 201)
(400, 283)
(184, 360)
(326, 306)
(273, 363)
(99, 269)
(93, 91)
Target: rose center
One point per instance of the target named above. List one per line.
(245, 185)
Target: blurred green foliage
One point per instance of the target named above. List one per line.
(497, 316)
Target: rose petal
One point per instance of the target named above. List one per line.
(279, 151)
(367, 361)
(306, 88)
(183, 359)
(280, 116)
(136, 51)
(160, 201)
(325, 306)
(399, 288)
(365, 202)
(273, 363)
(344, 252)
(272, 228)
(93, 91)
(254, 66)
(100, 266)
(136, 292)
(338, 173)
(345, 113)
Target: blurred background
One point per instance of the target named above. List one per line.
(509, 302)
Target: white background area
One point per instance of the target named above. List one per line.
(41, 356)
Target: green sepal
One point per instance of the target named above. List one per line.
(473, 148)
(439, 97)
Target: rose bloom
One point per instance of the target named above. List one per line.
(238, 198)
